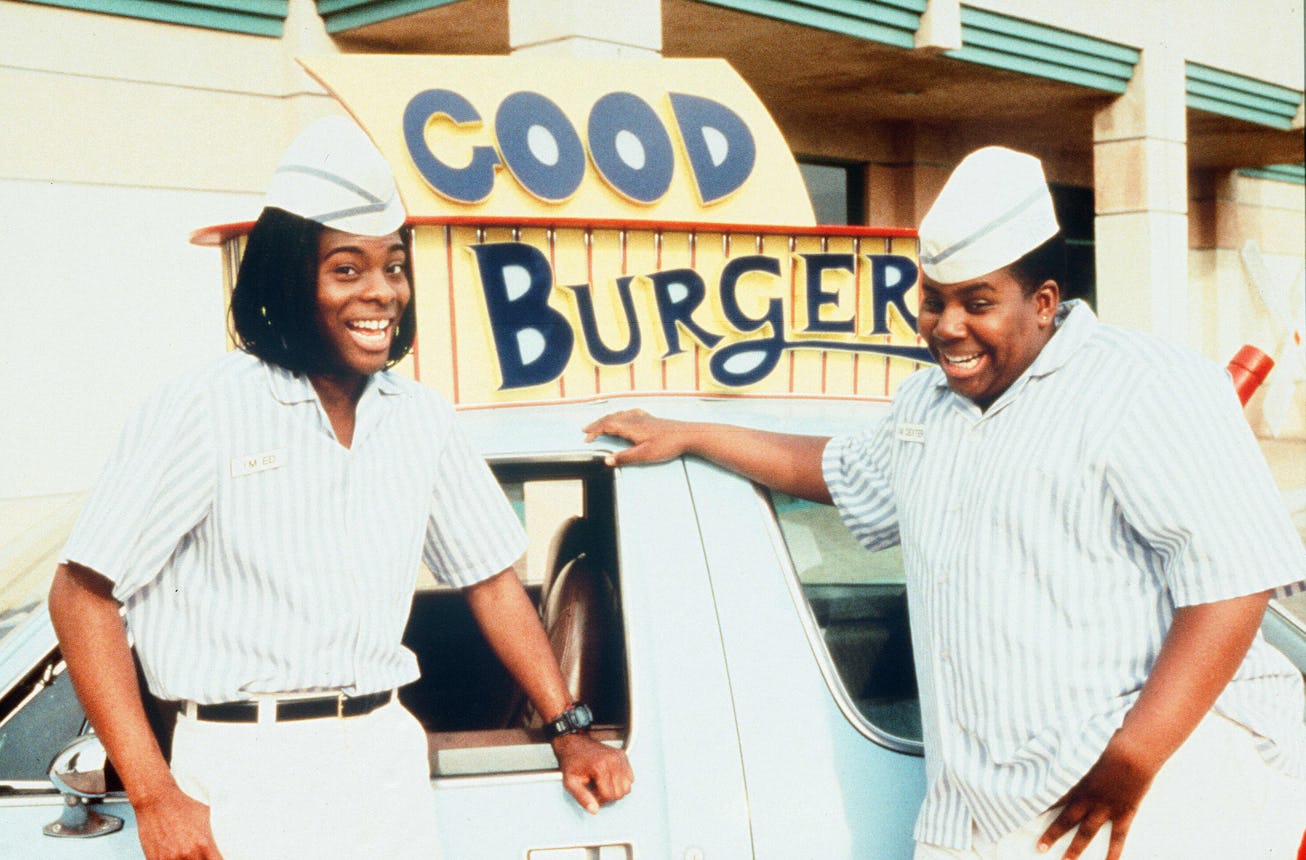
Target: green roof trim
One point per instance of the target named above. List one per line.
(1295, 173)
(342, 15)
(252, 17)
(1034, 49)
(1244, 98)
(890, 22)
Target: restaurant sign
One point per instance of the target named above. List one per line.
(590, 228)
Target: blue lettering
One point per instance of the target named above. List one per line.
(750, 361)
(533, 341)
(892, 277)
(678, 293)
(818, 297)
(630, 147)
(540, 146)
(720, 147)
(470, 184)
(589, 326)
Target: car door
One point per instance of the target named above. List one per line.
(830, 772)
(688, 800)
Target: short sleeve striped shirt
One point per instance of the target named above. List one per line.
(255, 554)
(1047, 543)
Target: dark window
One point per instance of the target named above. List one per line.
(1074, 207)
(836, 189)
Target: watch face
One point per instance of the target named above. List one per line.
(574, 719)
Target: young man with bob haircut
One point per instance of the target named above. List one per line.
(261, 525)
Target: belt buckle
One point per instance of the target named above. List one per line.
(340, 705)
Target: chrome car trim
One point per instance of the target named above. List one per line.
(593, 456)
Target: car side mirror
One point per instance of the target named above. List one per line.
(78, 771)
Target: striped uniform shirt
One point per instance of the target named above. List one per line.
(255, 554)
(1047, 543)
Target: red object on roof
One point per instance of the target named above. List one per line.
(1249, 367)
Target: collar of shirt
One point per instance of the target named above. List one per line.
(290, 388)
(1075, 322)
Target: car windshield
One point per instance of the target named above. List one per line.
(32, 534)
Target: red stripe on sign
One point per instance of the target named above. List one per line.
(453, 325)
(414, 352)
(857, 307)
(553, 267)
(220, 233)
(793, 305)
(624, 238)
(589, 278)
(825, 355)
(626, 224)
(657, 256)
(693, 264)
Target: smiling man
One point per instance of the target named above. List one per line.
(1090, 537)
(261, 527)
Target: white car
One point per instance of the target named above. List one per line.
(752, 660)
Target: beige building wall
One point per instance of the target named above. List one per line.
(120, 137)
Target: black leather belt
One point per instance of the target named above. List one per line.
(293, 709)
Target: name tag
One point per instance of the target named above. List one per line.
(911, 433)
(252, 463)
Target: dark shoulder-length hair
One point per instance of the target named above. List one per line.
(274, 302)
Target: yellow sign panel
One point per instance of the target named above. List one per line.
(636, 140)
(532, 312)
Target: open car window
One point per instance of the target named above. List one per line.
(858, 604)
(477, 719)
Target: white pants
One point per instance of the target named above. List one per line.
(358, 787)
(1215, 799)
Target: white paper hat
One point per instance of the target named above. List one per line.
(994, 209)
(334, 175)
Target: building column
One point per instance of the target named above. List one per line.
(1140, 181)
(940, 28)
(305, 99)
(586, 28)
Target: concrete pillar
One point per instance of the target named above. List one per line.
(586, 28)
(305, 100)
(940, 28)
(1140, 180)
